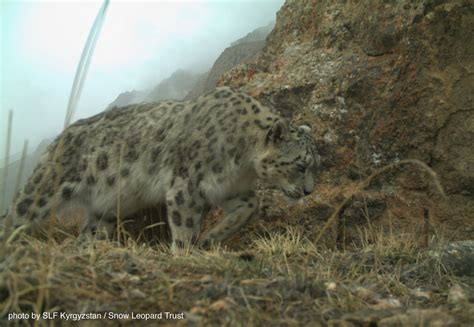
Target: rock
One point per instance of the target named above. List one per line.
(198, 309)
(205, 279)
(199, 88)
(421, 294)
(379, 82)
(175, 87)
(457, 295)
(127, 98)
(330, 286)
(241, 51)
(385, 304)
(136, 293)
(365, 294)
(459, 258)
(222, 304)
(259, 34)
(229, 58)
(363, 209)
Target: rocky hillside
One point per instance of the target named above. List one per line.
(199, 88)
(240, 51)
(259, 34)
(126, 98)
(231, 57)
(379, 82)
(175, 87)
(184, 84)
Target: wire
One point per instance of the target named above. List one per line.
(84, 63)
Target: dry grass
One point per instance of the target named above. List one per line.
(366, 182)
(19, 176)
(282, 279)
(3, 182)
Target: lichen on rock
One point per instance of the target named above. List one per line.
(379, 82)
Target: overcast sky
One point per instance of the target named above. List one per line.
(141, 43)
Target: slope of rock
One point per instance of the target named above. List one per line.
(126, 98)
(175, 87)
(199, 87)
(231, 57)
(243, 50)
(379, 82)
(258, 34)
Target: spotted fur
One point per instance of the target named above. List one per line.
(188, 155)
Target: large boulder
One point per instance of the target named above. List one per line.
(379, 82)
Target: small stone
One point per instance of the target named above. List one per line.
(457, 295)
(420, 294)
(340, 100)
(389, 303)
(205, 279)
(459, 258)
(135, 279)
(222, 304)
(198, 310)
(364, 294)
(330, 286)
(136, 293)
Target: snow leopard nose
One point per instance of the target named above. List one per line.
(307, 192)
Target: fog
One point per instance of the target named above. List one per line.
(141, 43)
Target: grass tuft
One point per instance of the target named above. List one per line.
(282, 279)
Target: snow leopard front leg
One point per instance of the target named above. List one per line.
(238, 210)
(185, 212)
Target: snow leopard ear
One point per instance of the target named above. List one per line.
(278, 132)
(305, 128)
